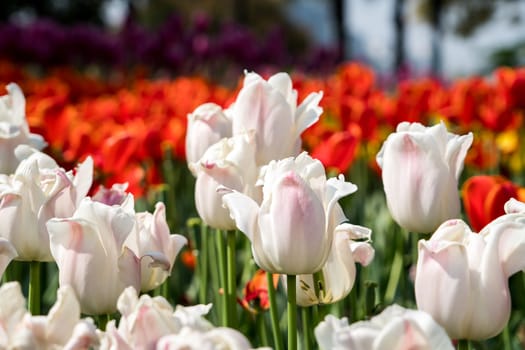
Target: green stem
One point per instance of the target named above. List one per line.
(202, 263)
(224, 277)
(215, 277)
(34, 287)
(102, 321)
(463, 344)
(292, 312)
(278, 341)
(507, 343)
(395, 271)
(315, 314)
(164, 292)
(261, 329)
(307, 325)
(232, 281)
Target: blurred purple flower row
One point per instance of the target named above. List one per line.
(174, 47)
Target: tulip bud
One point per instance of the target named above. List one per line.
(420, 170)
(206, 125)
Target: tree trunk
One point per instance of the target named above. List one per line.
(436, 61)
(399, 25)
(339, 16)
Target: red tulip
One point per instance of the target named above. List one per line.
(339, 150)
(484, 197)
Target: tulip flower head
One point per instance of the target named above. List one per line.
(484, 197)
(462, 277)
(207, 125)
(151, 323)
(292, 230)
(256, 292)
(38, 191)
(351, 244)
(151, 236)
(14, 130)
(229, 162)
(62, 328)
(396, 328)
(420, 170)
(89, 251)
(269, 108)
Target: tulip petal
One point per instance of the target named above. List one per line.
(293, 220)
(243, 210)
(441, 277)
(308, 112)
(63, 316)
(12, 310)
(7, 253)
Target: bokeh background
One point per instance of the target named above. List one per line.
(398, 38)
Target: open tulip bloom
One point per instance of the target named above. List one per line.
(269, 107)
(396, 328)
(230, 163)
(207, 125)
(292, 230)
(420, 170)
(462, 277)
(151, 323)
(351, 244)
(91, 250)
(38, 191)
(14, 130)
(62, 328)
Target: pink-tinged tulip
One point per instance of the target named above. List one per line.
(420, 169)
(14, 130)
(206, 125)
(91, 256)
(229, 163)
(38, 191)
(7, 253)
(350, 245)
(292, 230)
(151, 236)
(61, 328)
(396, 328)
(151, 323)
(462, 277)
(217, 338)
(270, 109)
(116, 195)
(143, 322)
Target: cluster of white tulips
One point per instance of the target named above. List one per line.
(105, 252)
(251, 176)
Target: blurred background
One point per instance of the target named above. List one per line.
(219, 39)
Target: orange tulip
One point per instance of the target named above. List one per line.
(256, 291)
